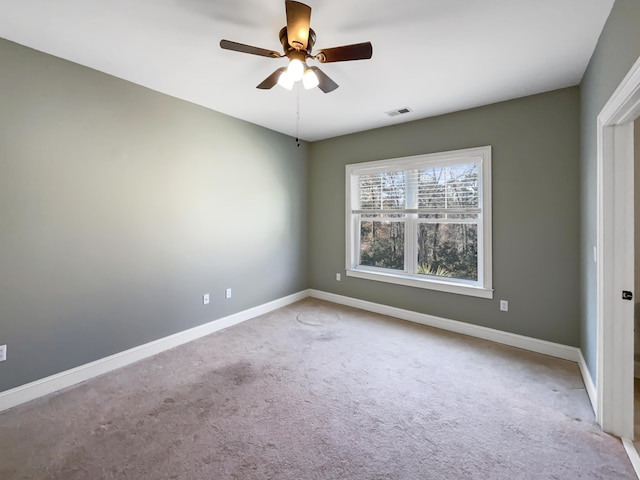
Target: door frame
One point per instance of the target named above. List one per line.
(614, 257)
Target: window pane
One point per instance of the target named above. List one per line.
(382, 244)
(382, 191)
(448, 250)
(452, 186)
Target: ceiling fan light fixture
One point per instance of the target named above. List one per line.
(310, 79)
(296, 69)
(285, 80)
(298, 39)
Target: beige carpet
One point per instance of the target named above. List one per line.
(318, 391)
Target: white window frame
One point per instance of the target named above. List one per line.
(483, 286)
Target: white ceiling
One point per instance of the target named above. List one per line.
(433, 56)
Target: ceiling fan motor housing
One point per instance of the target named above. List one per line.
(290, 48)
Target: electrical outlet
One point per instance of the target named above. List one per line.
(3, 353)
(338, 277)
(504, 306)
(205, 299)
(227, 293)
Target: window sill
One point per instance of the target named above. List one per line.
(399, 279)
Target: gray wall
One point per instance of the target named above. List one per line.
(119, 209)
(617, 50)
(535, 144)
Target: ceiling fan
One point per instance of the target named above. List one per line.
(297, 40)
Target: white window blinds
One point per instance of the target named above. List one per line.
(443, 189)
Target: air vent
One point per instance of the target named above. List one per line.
(399, 111)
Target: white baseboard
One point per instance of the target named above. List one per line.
(53, 383)
(588, 382)
(632, 453)
(540, 346)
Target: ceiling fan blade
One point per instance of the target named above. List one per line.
(357, 51)
(326, 84)
(241, 47)
(271, 80)
(298, 21)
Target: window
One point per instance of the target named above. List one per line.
(422, 221)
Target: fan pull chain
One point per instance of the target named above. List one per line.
(298, 116)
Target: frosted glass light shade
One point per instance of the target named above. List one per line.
(295, 69)
(310, 79)
(285, 80)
